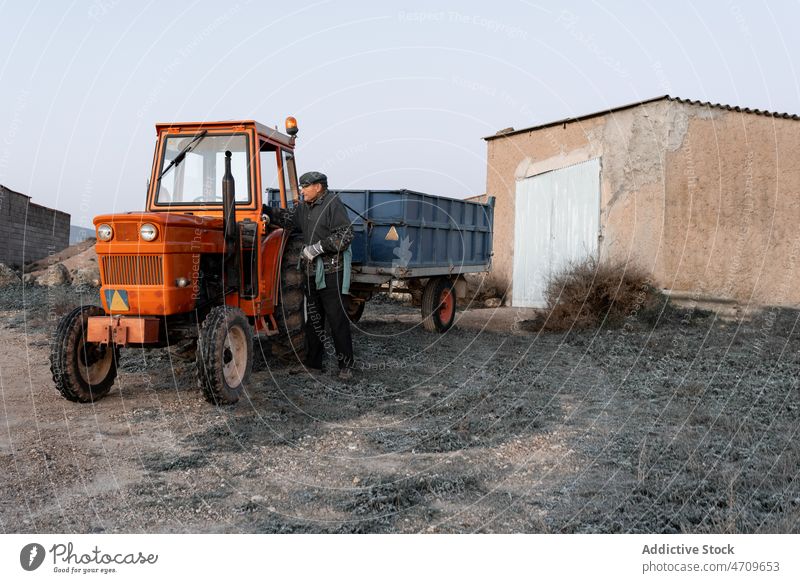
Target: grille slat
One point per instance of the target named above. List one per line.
(133, 270)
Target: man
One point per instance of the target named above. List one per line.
(327, 233)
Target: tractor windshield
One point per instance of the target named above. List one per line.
(196, 178)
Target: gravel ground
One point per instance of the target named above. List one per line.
(685, 425)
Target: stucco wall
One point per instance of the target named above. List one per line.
(703, 198)
(732, 203)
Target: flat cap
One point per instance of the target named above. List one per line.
(313, 178)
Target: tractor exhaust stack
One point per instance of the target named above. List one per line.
(231, 256)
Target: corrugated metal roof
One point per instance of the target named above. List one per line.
(735, 108)
(505, 133)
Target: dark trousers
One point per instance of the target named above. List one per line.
(327, 304)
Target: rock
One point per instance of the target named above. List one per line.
(479, 287)
(490, 292)
(29, 279)
(86, 276)
(493, 303)
(400, 296)
(55, 275)
(8, 276)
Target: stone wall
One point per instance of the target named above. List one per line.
(29, 231)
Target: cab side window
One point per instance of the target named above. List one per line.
(270, 177)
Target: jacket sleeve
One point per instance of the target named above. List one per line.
(285, 218)
(340, 227)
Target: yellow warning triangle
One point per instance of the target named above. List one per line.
(117, 303)
(392, 234)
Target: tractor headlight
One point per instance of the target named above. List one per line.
(105, 232)
(148, 232)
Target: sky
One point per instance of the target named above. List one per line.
(387, 95)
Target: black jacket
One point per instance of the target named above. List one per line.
(325, 220)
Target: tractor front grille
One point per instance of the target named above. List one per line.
(133, 270)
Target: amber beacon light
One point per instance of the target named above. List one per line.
(291, 126)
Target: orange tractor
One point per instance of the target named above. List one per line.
(202, 264)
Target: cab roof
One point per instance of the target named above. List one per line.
(265, 131)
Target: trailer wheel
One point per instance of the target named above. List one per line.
(224, 355)
(438, 305)
(289, 343)
(355, 309)
(83, 372)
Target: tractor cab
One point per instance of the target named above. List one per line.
(189, 164)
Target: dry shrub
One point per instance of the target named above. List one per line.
(591, 294)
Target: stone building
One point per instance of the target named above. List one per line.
(705, 197)
(29, 231)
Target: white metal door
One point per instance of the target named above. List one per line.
(557, 221)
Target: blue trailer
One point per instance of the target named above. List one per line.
(416, 242)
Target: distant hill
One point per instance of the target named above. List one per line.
(78, 234)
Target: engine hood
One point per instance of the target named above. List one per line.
(177, 233)
(168, 220)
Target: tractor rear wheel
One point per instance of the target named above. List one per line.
(438, 305)
(224, 355)
(83, 371)
(289, 343)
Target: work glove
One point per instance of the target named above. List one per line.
(311, 251)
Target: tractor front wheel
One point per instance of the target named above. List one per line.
(224, 355)
(83, 371)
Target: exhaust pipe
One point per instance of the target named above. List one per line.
(231, 255)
